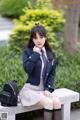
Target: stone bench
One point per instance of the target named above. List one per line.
(66, 96)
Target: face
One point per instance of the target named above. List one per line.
(39, 41)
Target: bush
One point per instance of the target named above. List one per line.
(68, 71)
(41, 4)
(13, 8)
(51, 19)
(11, 67)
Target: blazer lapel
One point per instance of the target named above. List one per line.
(49, 64)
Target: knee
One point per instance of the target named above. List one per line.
(48, 104)
(56, 103)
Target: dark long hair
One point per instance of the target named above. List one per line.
(42, 32)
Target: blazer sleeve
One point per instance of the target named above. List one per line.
(51, 78)
(29, 60)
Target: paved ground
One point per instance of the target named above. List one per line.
(6, 27)
(75, 115)
(6, 24)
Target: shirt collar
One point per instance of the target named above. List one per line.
(44, 49)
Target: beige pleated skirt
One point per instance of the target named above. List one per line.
(30, 95)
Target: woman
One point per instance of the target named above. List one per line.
(39, 63)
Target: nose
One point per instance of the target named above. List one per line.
(39, 40)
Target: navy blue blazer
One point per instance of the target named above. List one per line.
(32, 65)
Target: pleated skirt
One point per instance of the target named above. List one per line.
(30, 96)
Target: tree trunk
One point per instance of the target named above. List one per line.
(72, 8)
(71, 28)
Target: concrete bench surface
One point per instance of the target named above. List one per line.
(66, 96)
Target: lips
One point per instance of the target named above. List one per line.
(39, 44)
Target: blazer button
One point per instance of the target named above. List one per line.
(30, 57)
(47, 74)
(49, 86)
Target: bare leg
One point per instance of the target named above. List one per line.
(50, 105)
(47, 104)
(57, 108)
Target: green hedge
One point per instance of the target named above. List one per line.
(68, 71)
(52, 20)
(11, 67)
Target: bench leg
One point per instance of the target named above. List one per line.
(11, 117)
(66, 111)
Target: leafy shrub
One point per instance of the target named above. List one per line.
(68, 71)
(11, 67)
(41, 4)
(51, 19)
(13, 8)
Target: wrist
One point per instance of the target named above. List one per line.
(36, 49)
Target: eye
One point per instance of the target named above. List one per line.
(35, 38)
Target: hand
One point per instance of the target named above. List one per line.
(54, 94)
(36, 49)
(47, 93)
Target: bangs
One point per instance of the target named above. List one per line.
(40, 34)
(38, 29)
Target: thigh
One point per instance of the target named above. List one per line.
(46, 102)
(56, 101)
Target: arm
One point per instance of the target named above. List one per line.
(29, 61)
